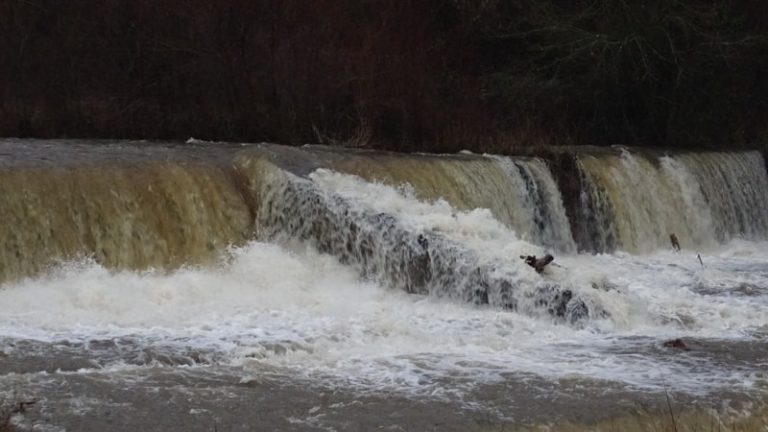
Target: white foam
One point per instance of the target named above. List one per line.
(476, 229)
(289, 306)
(647, 291)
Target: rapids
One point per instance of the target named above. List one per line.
(379, 285)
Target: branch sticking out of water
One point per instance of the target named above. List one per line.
(669, 407)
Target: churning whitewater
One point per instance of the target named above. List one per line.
(291, 308)
(316, 288)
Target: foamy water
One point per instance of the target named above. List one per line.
(290, 309)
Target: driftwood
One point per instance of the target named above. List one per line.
(537, 263)
(675, 242)
(676, 343)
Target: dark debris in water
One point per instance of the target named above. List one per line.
(677, 344)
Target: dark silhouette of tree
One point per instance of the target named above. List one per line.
(435, 75)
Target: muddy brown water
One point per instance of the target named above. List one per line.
(122, 385)
(136, 384)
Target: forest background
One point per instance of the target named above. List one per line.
(410, 75)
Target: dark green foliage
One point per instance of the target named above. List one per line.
(435, 75)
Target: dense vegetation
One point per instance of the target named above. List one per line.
(406, 75)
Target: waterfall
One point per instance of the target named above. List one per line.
(388, 249)
(606, 200)
(703, 198)
(733, 193)
(465, 181)
(538, 213)
(122, 216)
(520, 192)
(156, 213)
(593, 214)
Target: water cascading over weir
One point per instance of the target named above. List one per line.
(139, 206)
(124, 205)
(384, 248)
(634, 201)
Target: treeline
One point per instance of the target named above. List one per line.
(434, 75)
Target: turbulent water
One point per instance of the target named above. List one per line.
(704, 199)
(379, 288)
